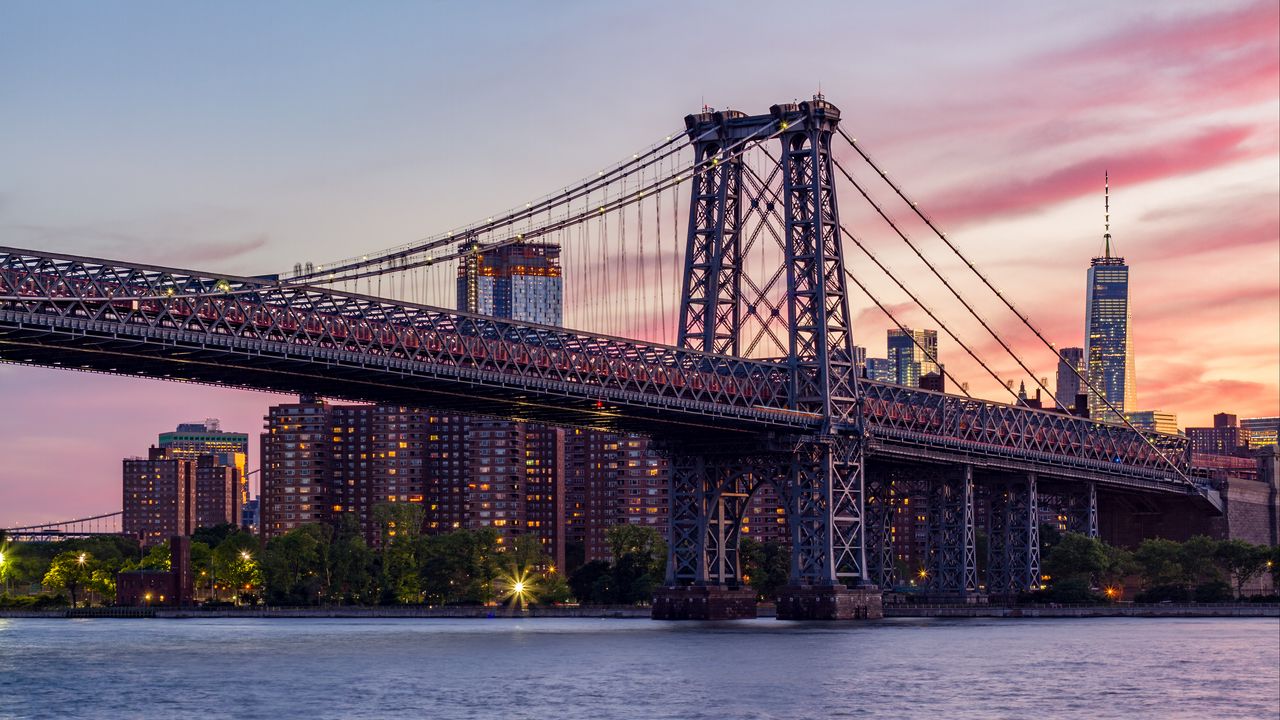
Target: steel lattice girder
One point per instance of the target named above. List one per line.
(1080, 506)
(909, 415)
(821, 349)
(952, 550)
(685, 545)
(879, 506)
(710, 490)
(1013, 536)
(157, 304)
(710, 306)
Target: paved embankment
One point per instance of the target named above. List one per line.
(766, 610)
(335, 612)
(1084, 611)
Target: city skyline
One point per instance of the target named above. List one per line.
(1226, 153)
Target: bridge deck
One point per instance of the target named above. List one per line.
(139, 320)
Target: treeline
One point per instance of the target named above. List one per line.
(333, 564)
(1080, 569)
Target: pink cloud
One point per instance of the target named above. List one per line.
(1214, 148)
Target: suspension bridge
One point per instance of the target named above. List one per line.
(95, 526)
(708, 288)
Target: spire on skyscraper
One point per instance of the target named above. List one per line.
(1106, 218)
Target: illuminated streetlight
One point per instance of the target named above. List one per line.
(244, 555)
(81, 558)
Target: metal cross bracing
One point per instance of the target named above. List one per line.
(952, 544)
(58, 309)
(54, 307)
(1013, 536)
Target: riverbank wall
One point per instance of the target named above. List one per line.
(765, 611)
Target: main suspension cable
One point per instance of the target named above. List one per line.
(1007, 302)
(938, 274)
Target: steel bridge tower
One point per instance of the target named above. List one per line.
(819, 475)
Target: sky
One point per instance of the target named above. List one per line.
(243, 137)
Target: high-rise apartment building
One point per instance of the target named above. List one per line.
(322, 462)
(1070, 369)
(611, 479)
(521, 281)
(167, 494)
(1108, 344)
(297, 482)
(159, 497)
(913, 354)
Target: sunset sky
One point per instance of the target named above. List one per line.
(244, 137)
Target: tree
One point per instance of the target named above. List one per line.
(1198, 558)
(401, 526)
(69, 570)
(584, 581)
(239, 565)
(766, 566)
(627, 538)
(350, 562)
(293, 566)
(1273, 564)
(1160, 563)
(214, 536)
(1076, 557)
(1242, 561)
(459, 567)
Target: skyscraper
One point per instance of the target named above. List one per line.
(228, 449)
(517, 282)
(1070, 363)
(1108, 345)
(913, 354)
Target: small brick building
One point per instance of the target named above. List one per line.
(141, 588)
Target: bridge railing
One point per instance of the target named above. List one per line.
(910, 414)
(138, 295)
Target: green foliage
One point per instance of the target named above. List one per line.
(639, 559)
(1160, 563)
(214, 536)
(1077, 558)
(1213, 591)
(585, 580)
(70, 571)
(293, 566)
(1242, 561)
(766, 566)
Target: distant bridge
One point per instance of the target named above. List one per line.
(95, 526)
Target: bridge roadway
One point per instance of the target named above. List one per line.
(139, 320)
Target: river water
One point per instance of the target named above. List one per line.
(585, 668)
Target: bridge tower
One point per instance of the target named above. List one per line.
(819, 475)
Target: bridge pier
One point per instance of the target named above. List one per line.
(952, 549)
(703, 602)
(1013, 537)
(829, 602)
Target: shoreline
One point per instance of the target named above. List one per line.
(1241, 610)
